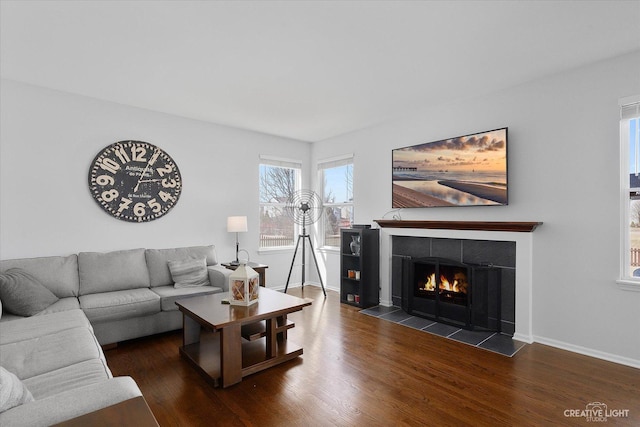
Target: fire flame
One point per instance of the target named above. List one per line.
(459, 283)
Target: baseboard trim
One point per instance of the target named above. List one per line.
(522, 337)
(588, 352)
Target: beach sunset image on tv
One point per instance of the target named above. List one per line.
(468, 170)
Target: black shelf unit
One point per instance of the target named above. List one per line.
(365, 289)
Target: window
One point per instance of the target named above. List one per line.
(336, 180)
(630, 153)
(279, 179)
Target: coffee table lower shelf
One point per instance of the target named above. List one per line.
(205, 356)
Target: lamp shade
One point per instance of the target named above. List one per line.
(237, 224)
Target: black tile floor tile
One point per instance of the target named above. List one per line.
(498, 343)
(441, 329)
(502, 344)
(396, 316)
(379, 310)
(471, 337)
(417, 322)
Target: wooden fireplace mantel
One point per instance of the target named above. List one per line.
(518, 226)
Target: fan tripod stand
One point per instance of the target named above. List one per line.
(303, 236)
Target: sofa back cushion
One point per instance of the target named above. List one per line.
(59, 274)
(112, 271)
(158, 261)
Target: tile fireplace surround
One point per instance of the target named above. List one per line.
(518, 232)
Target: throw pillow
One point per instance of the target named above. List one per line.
(12, 391)
(23, 294)
(189, 273)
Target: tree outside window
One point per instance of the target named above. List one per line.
(278, 181)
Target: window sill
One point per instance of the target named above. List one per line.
(281, 249)
(628, 285)
(330, 249)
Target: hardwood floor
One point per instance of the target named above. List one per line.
(359, 370)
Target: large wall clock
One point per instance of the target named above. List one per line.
(134, 181)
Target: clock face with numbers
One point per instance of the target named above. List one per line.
(135, 181)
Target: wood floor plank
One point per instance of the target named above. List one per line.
(360, 370)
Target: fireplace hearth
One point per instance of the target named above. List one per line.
(452, 292)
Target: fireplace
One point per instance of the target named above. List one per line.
(452, 292)
(506, 245)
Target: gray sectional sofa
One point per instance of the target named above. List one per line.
(59, 371)
(97, 299)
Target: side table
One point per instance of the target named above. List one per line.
(259, 268)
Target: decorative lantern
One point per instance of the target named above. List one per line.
(243, 285)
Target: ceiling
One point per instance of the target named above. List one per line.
(308, 70)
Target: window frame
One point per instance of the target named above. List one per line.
(626, 280)
(272, 161)
(322, 165)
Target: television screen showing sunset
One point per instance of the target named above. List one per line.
(467, 170)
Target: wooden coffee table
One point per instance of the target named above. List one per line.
(226, 342)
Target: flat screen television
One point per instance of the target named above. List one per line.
(469, 170)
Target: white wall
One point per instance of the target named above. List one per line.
(48, 140)
(563, 170)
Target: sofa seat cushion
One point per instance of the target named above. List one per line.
(38, 326)
(38, 355)
(112, 271)
(169, 294)
(63, 304)
(158, 259)
(58, 273)
(68, 378)
(118, 305)
(71, 403)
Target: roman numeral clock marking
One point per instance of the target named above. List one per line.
(134, 181)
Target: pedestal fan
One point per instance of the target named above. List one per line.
(304, 207)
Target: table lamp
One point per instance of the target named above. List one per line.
(237, 224)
